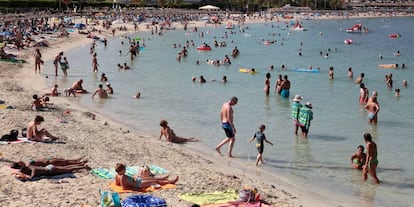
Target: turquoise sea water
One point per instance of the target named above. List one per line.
(320, 163)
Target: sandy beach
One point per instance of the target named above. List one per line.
(104, 143)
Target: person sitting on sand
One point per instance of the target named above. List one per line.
(170, 135)
(36, 103)
(39, 103)
(54, 91)
(31, 171)
(77, 86)
(136, 182)
(358, 159)
(42, 135)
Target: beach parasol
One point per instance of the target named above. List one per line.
(209, 7)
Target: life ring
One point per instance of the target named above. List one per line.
(143, 201)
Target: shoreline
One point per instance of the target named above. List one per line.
(102, 141)
(74, 134)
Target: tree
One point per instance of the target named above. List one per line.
(161, 3)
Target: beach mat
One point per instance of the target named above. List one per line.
(12, 60)
(211, 198)
(119, 189)
(106, 173)
(238, 204)
(19, 140)
(23, 177)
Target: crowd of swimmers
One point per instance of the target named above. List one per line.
(302, 115)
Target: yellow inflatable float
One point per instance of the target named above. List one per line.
(245, 70)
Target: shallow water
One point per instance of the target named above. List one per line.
(322, 161)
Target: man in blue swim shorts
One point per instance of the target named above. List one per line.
(226, 115)
(285, 87)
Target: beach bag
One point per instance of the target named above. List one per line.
(246, 195)
(11, 136)
(110, 199)
(144, 201)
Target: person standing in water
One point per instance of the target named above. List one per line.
(95, 63)
(296, 106)
(56, 62)
(305, 118)
(285, 87)
(267, 84)
(261, 139)
(373, 108)
(226, 115)
(371, 164)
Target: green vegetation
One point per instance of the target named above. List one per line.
(235, 5)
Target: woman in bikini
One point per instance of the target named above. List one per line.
(38, 59)
(43, 162)
(136, 182)
(27, 172)
(170, 135)
(359, 158)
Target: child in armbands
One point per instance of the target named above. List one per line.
(261, 139)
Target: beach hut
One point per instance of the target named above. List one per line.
(209, 7)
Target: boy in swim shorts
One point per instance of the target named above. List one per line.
(261, 139)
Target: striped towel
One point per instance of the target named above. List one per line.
(106, 173)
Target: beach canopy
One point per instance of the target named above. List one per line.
(80, 26)
(6, 33)
(209, 7)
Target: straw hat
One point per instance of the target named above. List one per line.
(308, 104)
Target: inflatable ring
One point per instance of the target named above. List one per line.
(144, 201)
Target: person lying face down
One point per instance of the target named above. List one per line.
(30, 171)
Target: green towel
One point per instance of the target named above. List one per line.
(130, 170)
(209, 198)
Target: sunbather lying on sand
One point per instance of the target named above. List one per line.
(170, 135)
(30, 172)
(136, 182)
(49, 161)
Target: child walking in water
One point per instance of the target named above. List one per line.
(261, 139)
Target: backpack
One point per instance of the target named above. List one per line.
(11, 136)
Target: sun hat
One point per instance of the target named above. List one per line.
(308, 104)
(297, 98)
(108, 84)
